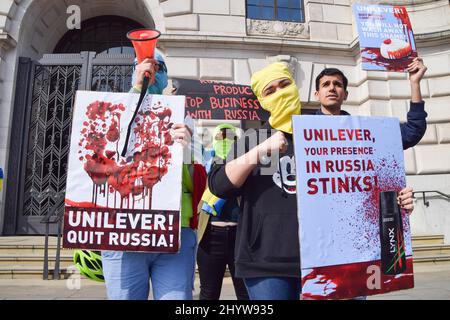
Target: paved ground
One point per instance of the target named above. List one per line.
(428, 285)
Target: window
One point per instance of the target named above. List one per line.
(281, 10)
(104, 34)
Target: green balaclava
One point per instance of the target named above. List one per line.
(222, 147)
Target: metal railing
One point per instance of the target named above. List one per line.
(53, 217)
(427, 203)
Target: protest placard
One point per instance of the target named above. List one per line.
(219, 100)
(354, 240)
(385, 36)
(129, 203)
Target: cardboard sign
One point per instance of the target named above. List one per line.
(122, 203)
(346, 167)
(219, 100)
(385, 36)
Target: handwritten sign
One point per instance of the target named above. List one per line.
(219, 100)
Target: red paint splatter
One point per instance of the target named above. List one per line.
(135, 175)
(402, 15)
(388, 179)
(387, 175)
(333, 282)
(373, 56)
(110, 154)
(113, 132)
(70, 203)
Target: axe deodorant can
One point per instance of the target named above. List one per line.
(393, 260)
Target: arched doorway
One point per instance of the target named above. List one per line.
(97, 58)
(104, 34)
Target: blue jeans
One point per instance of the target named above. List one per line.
(127, 274)
(273, 288)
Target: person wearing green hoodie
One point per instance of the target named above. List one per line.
(218, 220)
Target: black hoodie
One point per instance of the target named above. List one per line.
(267, 243)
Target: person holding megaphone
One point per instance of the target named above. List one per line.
(127, 274)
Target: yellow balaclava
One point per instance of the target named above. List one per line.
(282, 104)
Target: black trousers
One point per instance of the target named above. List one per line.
(215, 252)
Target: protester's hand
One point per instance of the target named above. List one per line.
(416, 70)
(148, 65)
(276, 143)
(181, 133)
(405, 199)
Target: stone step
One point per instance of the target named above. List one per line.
(427, 250)
(31, 249)
(33, 260)
(427, 239)
(29, 245)
(431, 263)
(31, 272)
(27, 240)
(438, 258)
(36, 272)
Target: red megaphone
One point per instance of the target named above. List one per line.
(144, 42)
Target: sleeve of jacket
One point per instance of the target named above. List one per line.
(218, 182)
(415, 126)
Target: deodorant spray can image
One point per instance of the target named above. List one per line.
(393, 260)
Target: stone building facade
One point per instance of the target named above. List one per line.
(214, 40)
